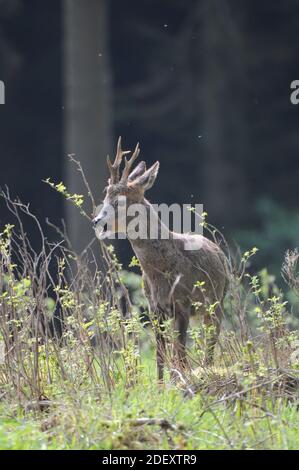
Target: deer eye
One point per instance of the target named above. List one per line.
(119, 202)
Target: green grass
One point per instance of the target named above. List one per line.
(64, 393)
(20, 433)
(91, 419)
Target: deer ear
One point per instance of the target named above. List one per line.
(138, 171)
(147, 179)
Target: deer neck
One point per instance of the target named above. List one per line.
(151, 244)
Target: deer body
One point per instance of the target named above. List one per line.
(170, 272)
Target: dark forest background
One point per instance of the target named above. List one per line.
(204, 85)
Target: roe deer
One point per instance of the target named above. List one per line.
(170, 272)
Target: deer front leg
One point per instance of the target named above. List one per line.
(159, 328)
(158, 316)
(181, 326)
(161, 351)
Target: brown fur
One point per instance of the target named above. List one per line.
(170, 272)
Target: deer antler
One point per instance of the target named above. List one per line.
(114, 168)
(128, 164)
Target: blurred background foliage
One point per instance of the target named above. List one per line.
(277, 229)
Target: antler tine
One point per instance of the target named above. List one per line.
(114, 168)
(129, 163)
(119, 153)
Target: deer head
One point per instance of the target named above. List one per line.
(122, 191)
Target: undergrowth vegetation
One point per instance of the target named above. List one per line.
(77, 365)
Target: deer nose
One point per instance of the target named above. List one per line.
(95, 221)
(99, 218)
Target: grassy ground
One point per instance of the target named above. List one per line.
(148, 416)
(94, 385)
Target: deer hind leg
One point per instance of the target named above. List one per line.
(212, 325)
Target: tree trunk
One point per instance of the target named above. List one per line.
(87, 119)
(225, 135)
